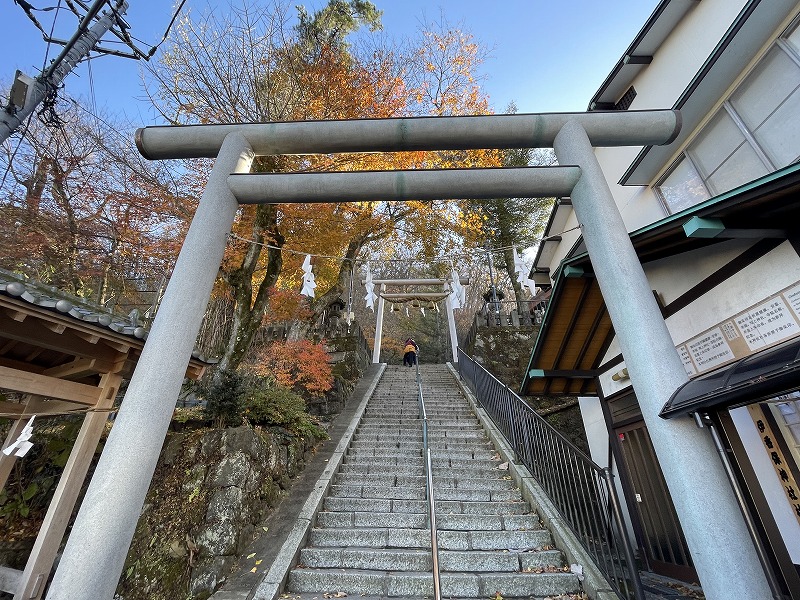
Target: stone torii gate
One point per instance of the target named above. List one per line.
(383, 295)
(715, 529)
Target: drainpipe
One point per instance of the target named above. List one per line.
(705, 421)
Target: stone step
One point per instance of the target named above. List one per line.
(418, 585)
(388, 505)
(478, 561)
(389, 435)
(372, 519)
(458, 445)
(439, 482)
(444, 521)
(371, 468)
(483, 464)
(377, 492)
(416, 423)
(366, 558)
(385, 461)
(463, 455)
(473, 495)
(438, 463)
(487, 522)
(404, 537)
(478, 440)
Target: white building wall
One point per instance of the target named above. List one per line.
(683, 53)
(673, 276)
(775, 271)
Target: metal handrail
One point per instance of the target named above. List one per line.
(583, 492)
(437, 594)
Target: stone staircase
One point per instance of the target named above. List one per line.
(371, 537)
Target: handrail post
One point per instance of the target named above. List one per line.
(551, 469)
(633, 571)
(437, 594)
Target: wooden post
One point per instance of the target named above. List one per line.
(41, 559)
(7, 462)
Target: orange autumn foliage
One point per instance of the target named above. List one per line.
(300, 365)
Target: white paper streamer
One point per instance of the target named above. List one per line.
(458, 295)
(522, 273)
(371, 295)
(21, 446)
(308, 278)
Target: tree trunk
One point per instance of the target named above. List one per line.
(61, 196)
(248, 313)
(35, 186)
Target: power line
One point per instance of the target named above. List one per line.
(445, 258)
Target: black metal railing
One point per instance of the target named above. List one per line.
(510, 313)
(426, 452)
(582, 491)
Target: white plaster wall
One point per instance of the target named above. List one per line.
(683, 53)
(673, 276)
(638, 205)
(773, 272)
(568, 239)
(776, 497)
(607, 383)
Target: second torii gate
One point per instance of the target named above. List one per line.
(383, 295)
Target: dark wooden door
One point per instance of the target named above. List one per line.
(663, 541)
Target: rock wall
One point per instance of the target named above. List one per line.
(504, 351)
(211, 491)
(349, 356)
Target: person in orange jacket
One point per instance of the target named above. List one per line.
(410, 353)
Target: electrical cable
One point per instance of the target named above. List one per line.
(28, 9)
(154, 49)
(449, 257)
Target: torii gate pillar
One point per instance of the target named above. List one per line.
(376, 351)
(451, 325)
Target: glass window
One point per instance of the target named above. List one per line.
(742, 166)
(757, 132)
(683, 187)
(768, 103)
(716, 144)
(794, 38)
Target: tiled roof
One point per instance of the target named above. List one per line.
(53, 299)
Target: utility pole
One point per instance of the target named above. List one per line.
(495, 305)
(27, 94)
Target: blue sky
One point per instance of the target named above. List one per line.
(545, 55)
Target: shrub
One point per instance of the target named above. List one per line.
(301, 365)
(278, 405)
(224, 395)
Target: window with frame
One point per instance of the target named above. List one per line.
(755, 132)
